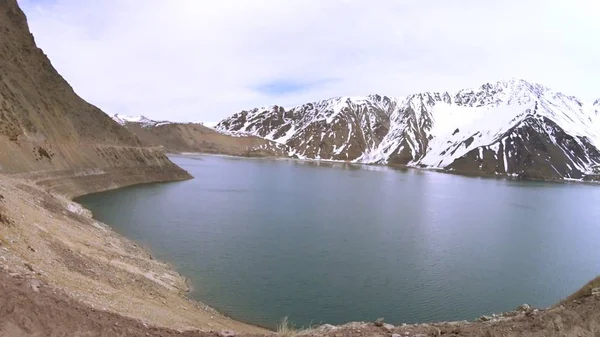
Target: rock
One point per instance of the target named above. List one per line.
(485, 318)
(396, 335)
(29, 267)
(226, 333)
(596, 292)
(327, 327)
(388, 327)
(378, 322)
(437, 332)
(524, 307)
(35, 285)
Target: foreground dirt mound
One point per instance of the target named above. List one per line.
(30, 308)
(84, 264)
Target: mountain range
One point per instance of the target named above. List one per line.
(196, 137)
(507, 128)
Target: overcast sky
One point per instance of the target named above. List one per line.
(200, 60)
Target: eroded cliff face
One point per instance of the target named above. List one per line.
(47, 131)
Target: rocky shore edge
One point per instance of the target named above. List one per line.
(53, 251)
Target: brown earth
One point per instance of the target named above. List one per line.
(64, 274)
(48, 131)
(192, 137)
(47, 237)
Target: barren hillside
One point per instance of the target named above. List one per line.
(45, 127)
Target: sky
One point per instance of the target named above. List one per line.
(200, 60)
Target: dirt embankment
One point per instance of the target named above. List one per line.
(86, 269)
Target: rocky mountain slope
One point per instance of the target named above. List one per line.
(509, 128)
(51, 135)
(195, 137)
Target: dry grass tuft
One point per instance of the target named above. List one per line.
(286, 329)
(585, 291)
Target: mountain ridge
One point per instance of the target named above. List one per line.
(435, 129)
(51, 135)
(197, 138)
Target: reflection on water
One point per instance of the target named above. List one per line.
(336, 242)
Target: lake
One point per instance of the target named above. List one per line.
(333, 242)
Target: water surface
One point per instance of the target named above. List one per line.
(331, 243)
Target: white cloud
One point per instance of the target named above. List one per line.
(193, 60)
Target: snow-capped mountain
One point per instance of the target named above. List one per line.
(509, 127)
(141, 120)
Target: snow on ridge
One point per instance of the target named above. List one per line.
(435, 127)
(144, 121)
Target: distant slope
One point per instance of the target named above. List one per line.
(510, 128)
(194, 137)
(45, 127)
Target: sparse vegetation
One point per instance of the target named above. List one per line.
(585, 291)
(285, 328)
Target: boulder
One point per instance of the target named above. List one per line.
(388, 327)
(524, 307)
(226, 333)
(485, 318)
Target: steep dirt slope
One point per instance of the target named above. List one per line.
(45, 127)
(93, 272)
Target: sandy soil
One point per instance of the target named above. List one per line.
(50, 238)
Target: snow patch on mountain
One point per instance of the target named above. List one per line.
(142, 120)
(434, 130)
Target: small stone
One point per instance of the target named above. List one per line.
(328, 327)
(524, 307)
(29, 267)
(596, 292)
(437, 332)
(31, 248)
(35, 285)
(485, 318)
(388, 327)
(379, 322)
(406, 333)
(226, 333)
(395, 335)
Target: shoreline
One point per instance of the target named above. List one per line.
(54, 239)
(397, 166)
(54, 212)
